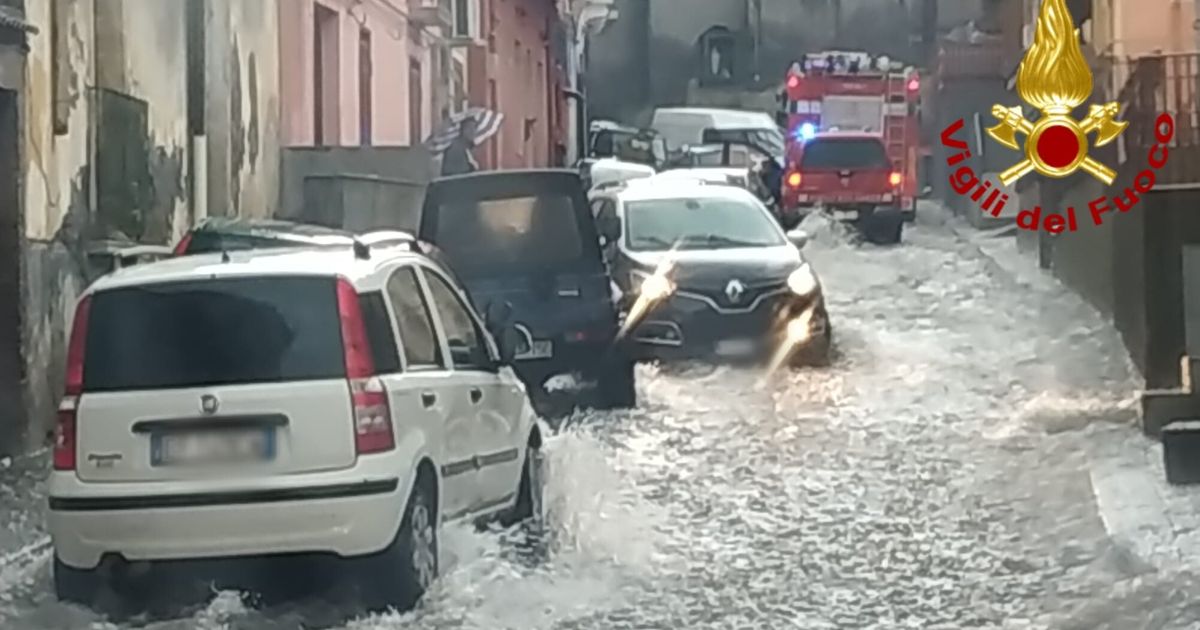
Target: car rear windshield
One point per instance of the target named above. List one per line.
(844, 153)
(502, 235)
(213, 332)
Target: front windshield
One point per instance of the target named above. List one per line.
(688, 223)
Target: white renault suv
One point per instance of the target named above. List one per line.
(336, 401)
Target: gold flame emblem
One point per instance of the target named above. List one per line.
(1055, 78)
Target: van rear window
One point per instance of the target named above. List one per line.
(497, 236)
(844, 153)
(213, 332)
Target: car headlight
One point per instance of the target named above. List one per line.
(652, 286)
(803, 281)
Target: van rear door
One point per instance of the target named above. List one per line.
(214, 376)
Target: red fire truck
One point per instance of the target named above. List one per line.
(852, 94)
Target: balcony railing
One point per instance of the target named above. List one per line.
(1157, 84)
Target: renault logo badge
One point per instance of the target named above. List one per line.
(209, 404)
(734, 290)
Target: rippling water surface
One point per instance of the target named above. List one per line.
(936, 476)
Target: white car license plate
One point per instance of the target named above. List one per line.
(212, 447)
(734, 347)
(845, 215)
(539, 350)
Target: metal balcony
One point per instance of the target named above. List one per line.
(1157, 84)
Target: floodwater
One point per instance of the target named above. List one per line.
(937, 475)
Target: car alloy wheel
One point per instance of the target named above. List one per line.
(424, 545)
(535, 472)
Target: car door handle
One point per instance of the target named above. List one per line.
(476, 395)
(428, 399)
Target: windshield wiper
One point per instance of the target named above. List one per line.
(653, 241)
(714, 239)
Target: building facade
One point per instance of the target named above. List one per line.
(1143, 55)
(362, 73)
(675, 52)
(15, 32)
(136, 119)
(518, 66)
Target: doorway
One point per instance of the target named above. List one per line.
(12, 410)
(326, 67)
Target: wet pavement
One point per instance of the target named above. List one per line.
(967, 462)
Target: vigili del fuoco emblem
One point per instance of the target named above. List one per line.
(1055, 78)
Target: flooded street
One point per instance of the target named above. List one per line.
(938, 475)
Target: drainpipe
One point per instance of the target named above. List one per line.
(93, 133)
(581, 122)
(590, 17)
(758, 34)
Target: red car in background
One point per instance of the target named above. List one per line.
(850, 175)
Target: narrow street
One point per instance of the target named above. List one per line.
(939, 475)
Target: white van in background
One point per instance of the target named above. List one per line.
(686, 125)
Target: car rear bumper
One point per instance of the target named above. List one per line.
(343, 518)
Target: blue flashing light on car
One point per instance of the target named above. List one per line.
(806, 131)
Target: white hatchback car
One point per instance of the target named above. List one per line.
(331, 401)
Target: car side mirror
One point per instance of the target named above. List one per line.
(799, 238)
(926, 192)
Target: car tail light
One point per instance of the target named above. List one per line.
(182, 247)
(368, 398)
(895, 179)
(794, 179)
(65, 426)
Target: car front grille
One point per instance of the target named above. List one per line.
(751, 298)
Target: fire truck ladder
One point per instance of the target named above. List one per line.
(895, 125)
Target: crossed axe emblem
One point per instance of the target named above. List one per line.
(1056, 145)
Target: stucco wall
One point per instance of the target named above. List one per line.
(242, 108)
(142, 55)
(56, 202)
(119, 161)
(56, 178)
